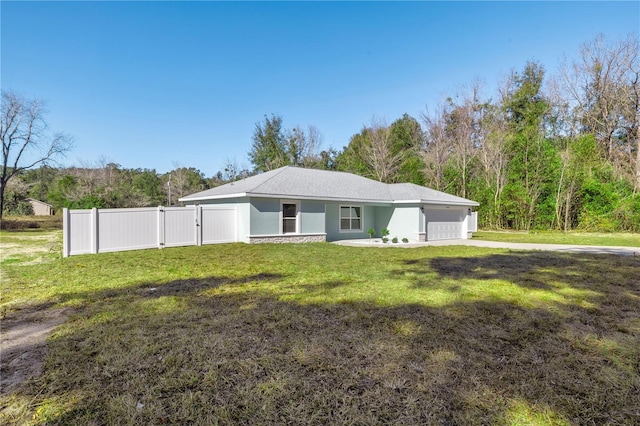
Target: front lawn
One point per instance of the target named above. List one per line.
(557, 237)
(325, 334)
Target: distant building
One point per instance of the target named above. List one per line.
(41, 208)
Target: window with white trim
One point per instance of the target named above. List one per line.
(350, 218)
(289, 216)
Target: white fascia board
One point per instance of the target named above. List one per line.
(213, 197)
(331, 199)
(408, 202)
(282, 196)
(451, 203)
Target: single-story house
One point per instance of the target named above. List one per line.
(40, 208)
(292, 204)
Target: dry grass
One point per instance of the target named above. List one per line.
(19, 223)
(319, 334)
(30, 247)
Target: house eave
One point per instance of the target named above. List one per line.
(287, 196)
(330, 199)
(438, 202)
(451, 203)
(213, 197)
(312, 198)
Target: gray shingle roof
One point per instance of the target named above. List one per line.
(295, 182)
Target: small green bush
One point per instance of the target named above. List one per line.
(385, 240)
(371, 232)
(395, 240)
(405, 240)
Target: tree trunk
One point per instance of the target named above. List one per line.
(2, 186)
(567, 208)
(636, 186)
(558, 197)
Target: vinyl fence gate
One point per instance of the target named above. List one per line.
(107, 230)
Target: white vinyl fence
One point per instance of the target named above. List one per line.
(105, 230)
(473, 222)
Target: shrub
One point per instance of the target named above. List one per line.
(395, 240)
(405, 240)
(627, 214)
(371, 232)
(597, 223)
(17, 208)
(385, 240)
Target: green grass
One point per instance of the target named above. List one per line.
(326, 334)
(556, 237)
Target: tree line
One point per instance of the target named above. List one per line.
(557, 152)
(544, 153)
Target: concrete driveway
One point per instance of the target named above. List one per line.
(624, 251)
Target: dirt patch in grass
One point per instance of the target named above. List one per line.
(23, 339)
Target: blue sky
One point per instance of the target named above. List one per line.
(158, 84)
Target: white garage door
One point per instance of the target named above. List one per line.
(444, 224)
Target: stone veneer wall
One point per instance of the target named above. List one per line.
(307, 238)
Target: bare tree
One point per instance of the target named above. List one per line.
(303, 147)
(437, 147)
(378, 154)
(604, 86)
(185, 180)
(234, 171)
(311, 148)
(494, 159)
(463, 128)
(26, 142)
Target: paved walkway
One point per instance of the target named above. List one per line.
(625, 251)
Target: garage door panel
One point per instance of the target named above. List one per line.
(444, 224)
(443, 231)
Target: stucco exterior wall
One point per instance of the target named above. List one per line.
(383, 216)
(405, 222)
(265, 216)
(320, 221)
(312, 219)
(332, 222)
